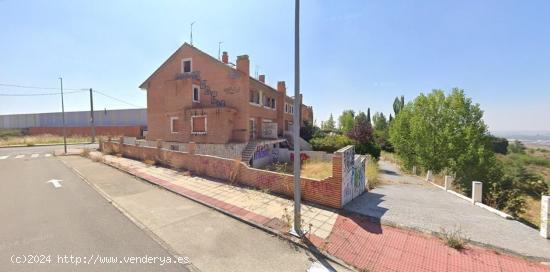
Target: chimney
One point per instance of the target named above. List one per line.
(262, 78)
(225, 57)
(243, 64)
(281, 87)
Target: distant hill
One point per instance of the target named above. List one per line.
(537, 138)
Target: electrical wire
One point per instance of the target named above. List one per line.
(42, 94)
(35, 87)
(117, 99)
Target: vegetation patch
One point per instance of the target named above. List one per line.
(39, 139)
(454, 238)
(371, 173)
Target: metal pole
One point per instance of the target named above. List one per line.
(92, 115)
(191, 40)
(219, 50)
(296, 122)
(63, 117)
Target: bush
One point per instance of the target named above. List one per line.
(368, 148)
(499, 145)
(330, 143)
(517, 147)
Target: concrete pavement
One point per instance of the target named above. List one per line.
(212, 240)
(41, 149)
(49, 225)
(411, 202)
(353, 238)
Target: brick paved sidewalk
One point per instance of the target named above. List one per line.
(351, 238)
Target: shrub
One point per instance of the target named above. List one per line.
(368, 148)
(454, 238)
(330, 143)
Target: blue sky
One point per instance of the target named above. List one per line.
(355, 54)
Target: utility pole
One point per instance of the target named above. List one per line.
(296, 123)
(92, 115)
(63, 117)
(191, 40)
(219, 50)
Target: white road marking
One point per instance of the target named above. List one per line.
(47, 155)
(3, 157)
(318, 267)
(55, 183)
(19, 156)
(35, 155)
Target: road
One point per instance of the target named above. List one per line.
(40, 149)
(51, 224)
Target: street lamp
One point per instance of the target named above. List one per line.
(296, 122)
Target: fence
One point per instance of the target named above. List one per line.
(328, 192)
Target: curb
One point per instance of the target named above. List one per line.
(39, 145)
(279, 234)
(140, 225)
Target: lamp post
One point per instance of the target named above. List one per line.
(296, 123)
(63, 117)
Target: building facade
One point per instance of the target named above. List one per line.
(194, 97)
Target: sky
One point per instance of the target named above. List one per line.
(354, 54)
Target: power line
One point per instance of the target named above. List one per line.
(117, 99)
(35, 87)
(42, 94)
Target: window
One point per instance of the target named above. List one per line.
(186, 66)
(198, 124)
(196, 93)
(174, 125)
(289, 108)
(254, 97)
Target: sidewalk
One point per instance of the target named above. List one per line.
(351, 238)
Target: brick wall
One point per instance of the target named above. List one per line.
(326, 192)
(131, 131)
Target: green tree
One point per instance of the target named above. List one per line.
(517, 147)
(362, 129)
(440, 132)
(379, 121)
(398, 104)
(329, 125)
(345, 121)
(381, 131)
(368, 116)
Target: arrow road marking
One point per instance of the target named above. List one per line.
(55, 182)
(19, 156)
(35, 155)
(3, 157)
(47, 155)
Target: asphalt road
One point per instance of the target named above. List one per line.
(41, 149)
(48, 225)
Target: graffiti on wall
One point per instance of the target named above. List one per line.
(262, 151)
(353, 174)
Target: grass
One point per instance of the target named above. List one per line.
(8, 132)
(531, 216)
(531, 159)
(29, 140)
(371, 172)
(454, 238)
(309, 169)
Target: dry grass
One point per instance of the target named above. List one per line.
(371, 173)
(454, 238)
(310, 169)
(532, 211)
(316, 169)
(40, 139)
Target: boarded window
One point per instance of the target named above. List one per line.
(199, 124)
(174, 125)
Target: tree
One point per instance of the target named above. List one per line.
(307, 131)
(368, 115)
(345, 121)
(438, 132)
(379, 121)
(362, 129)
(398, 104)
(499, 145)
(329, 125)
(517, 147)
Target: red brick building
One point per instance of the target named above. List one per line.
(194, 97)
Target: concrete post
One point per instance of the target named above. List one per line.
(429, 176)
(414, 170)
(477, 190)
(448, 182)
(545, 217)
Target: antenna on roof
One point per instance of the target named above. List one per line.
(219, 49)
(192, 33)
(257, 69)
